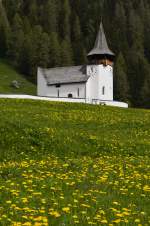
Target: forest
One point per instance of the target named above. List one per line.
(51, 33)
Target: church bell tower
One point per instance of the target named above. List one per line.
(100, 70)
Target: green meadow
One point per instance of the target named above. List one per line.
(73, 164)
(7, 75)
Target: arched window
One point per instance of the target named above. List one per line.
(103, 90)
(70, 95)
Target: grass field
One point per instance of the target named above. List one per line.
(7, 75)
(73, 164)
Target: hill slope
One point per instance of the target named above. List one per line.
(64, 128)
(73, 164)
(7, 75)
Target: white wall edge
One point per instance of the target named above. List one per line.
(71, 100)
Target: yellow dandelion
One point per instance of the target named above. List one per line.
(117, 221)
(104, 221)
(66, 209)
(137, 221)
(116, 203)
(8, 201)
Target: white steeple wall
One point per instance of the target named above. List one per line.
(105, 74)
(100, 84)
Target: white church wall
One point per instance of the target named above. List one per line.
(63, 99)
(101, 80)
(105, 74)
(42, 88)
(117, 104)
(92, 84)
(77, 90)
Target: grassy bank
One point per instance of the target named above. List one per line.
(73, 164)
(7, 75)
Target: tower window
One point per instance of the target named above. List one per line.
(103, 90)
(58, 92)
(78, 92)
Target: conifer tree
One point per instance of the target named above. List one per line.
(50, 16)
(35, 36)
(4, 31)
(25, 64)
(144, 84)
(43, 49)
(135, 32)
(33, 12)
(119, 29)
(78, 49)
(65, 20)
(121, 86)
(66, 54)
(16, 39)
(55, 51)
(145, 92)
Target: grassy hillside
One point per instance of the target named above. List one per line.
(7, 75)
(72, 128)
(73, 164)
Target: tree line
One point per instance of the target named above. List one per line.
(51, 33)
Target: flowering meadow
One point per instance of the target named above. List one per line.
(73, 164)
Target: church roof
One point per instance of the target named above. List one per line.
(65, 75)
(101, 46)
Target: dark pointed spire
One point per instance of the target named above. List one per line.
(101, 46)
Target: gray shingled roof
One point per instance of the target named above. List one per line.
(65, 75)
(101, 46)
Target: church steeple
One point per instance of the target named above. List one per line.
(101, 50)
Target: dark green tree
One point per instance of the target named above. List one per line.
(145, 92)
(4, 31)
(15, 40)
(25, 59)
(43, 51)
(50, 16)
(65, 30)
(77, 46)
(33, 12)
(66, 54)
(135, 32)
(54, 50)
(121, 86)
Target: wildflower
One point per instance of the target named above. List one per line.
(66, 209)
(27, 224)
(116, 203)
(8, 201)
(75, 216)
(117, 221)
(137, 221)
(104, 221)
(85, 205)
(55, 214)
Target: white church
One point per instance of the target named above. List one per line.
(92, 83)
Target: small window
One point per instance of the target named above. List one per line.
(58, 92)
(78, 92)
(58, 86)
(103, 90)
(70, 95)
